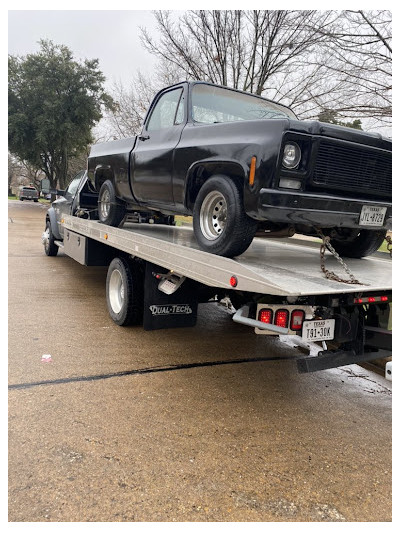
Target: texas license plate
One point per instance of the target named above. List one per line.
(372, 215)
(318, 330)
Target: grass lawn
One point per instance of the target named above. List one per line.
(41, 200)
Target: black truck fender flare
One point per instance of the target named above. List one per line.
(51, 217)
(200, 171)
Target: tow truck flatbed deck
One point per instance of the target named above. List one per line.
(289, 267)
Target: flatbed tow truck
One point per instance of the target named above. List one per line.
(157, 276)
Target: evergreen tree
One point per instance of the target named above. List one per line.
(54, 101)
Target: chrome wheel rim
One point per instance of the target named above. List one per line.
(116, 291)
(105, 201)
(46, 238)
(213, 214)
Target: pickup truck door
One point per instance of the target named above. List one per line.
(152, 160)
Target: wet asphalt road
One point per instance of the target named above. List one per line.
(93, 439)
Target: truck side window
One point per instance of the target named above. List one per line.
(165, 111)
(180, 112)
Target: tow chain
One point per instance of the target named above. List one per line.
(329, 274)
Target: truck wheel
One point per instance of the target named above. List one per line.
(366, 242)
(220, 223)
(111, 211)
(50, 248)
(124, 292)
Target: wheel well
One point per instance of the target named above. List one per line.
(201, 172)
(101, 175)
(52, 219)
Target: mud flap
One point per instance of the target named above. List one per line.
(162, 311)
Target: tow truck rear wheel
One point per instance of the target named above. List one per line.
(111, 210)
(220, 223)
(363, 243)
(124, 292)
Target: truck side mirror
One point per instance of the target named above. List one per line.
(57, 192)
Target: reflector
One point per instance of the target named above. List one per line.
(296, 320)
(233, 281)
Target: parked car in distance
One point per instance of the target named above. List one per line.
(243, 165)
(29, 193)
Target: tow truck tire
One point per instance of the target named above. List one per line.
(50, 248)
(124, 292)
(111, 210)
(365, 243)
(220, 223)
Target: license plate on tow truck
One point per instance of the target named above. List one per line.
(318, 330)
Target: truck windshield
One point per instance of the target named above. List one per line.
(212, 104)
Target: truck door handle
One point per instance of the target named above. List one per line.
(144, 137)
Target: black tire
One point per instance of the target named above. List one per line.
(124, 292)
(111, 210)
(365, 243)
(50, 248)
(220, 223)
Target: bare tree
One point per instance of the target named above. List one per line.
(357, 57)
(131, 103)
(310, 60)
(12, 168)
(240, 49)
(330, 62)
(130, 106)
(22, 173)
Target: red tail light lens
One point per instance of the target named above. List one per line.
(281, 318)
(296, 320)
(265, 315)
(233, 281)
(371, 299)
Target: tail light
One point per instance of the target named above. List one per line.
(371, 299)
(281, 318)
(265, 315)
(296, 320)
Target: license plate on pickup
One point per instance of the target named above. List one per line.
(372, 215)
(318, 330)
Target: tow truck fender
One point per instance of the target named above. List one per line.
(51, 216)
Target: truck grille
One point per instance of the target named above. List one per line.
(364, 170)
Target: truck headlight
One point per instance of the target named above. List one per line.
(291, 155)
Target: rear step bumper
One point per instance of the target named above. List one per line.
(333, 359)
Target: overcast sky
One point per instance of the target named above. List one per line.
(110, 36)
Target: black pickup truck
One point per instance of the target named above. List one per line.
(242, 166)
